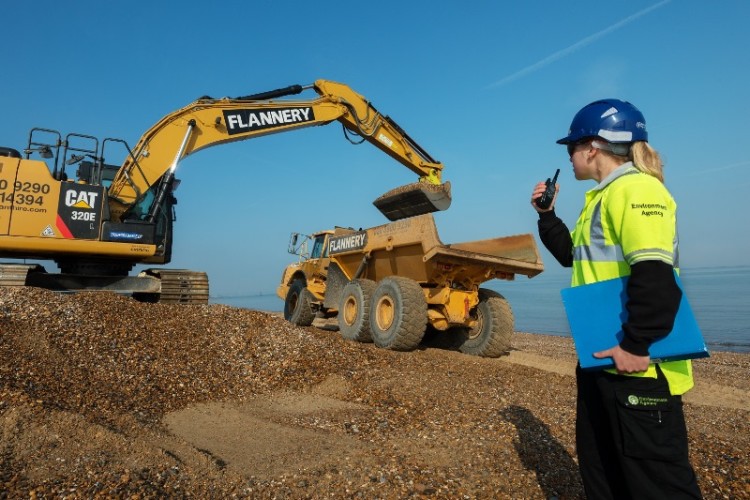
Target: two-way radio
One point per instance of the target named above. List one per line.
(545, 200)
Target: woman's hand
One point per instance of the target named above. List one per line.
(624, 361)
(539, 191)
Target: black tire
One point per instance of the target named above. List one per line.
(298, 305)
(398, 314)
(492, 335)
(354, 310)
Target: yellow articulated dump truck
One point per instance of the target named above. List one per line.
(390, 283)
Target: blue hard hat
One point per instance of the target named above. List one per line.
(613, 120)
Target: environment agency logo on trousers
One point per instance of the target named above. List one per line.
(642, 401)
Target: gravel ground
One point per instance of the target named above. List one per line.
(102, 396)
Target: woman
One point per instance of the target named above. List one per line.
(630, 429)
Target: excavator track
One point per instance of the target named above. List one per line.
(166, 286)
(15, 274)
(181, 286)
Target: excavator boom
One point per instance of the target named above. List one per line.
(209, 122)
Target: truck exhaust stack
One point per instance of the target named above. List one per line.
(418, 198)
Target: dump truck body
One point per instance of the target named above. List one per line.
(368, 272)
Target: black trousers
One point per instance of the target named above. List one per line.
(631, 438)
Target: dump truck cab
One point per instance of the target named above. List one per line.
(306, 279)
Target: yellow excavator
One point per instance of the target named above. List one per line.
(98, 222)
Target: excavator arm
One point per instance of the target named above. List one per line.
(147, 175)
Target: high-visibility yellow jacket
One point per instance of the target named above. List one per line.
(628, 218)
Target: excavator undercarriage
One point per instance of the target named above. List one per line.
(166, 286)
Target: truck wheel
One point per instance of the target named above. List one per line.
(354, 310)
(298, 305)
(398, 314)
(491, 337)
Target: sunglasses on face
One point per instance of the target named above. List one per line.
(573, 146)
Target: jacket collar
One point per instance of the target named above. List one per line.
(626, 168)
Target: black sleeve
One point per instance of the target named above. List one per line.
(653, 299)
(556, 237)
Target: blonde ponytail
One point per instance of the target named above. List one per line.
(647, 159)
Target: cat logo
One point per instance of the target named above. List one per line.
(81, 199)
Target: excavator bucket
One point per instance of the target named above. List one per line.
(418, 198)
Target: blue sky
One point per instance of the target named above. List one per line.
(485, 87)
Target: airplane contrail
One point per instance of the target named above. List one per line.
(716, 169)
(578, 45)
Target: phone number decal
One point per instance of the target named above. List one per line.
(23, 193)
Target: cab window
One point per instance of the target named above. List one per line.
(319, 247)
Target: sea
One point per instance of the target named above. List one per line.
(719, 297)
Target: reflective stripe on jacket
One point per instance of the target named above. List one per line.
(628, 218)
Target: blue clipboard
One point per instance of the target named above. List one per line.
(597, 311)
